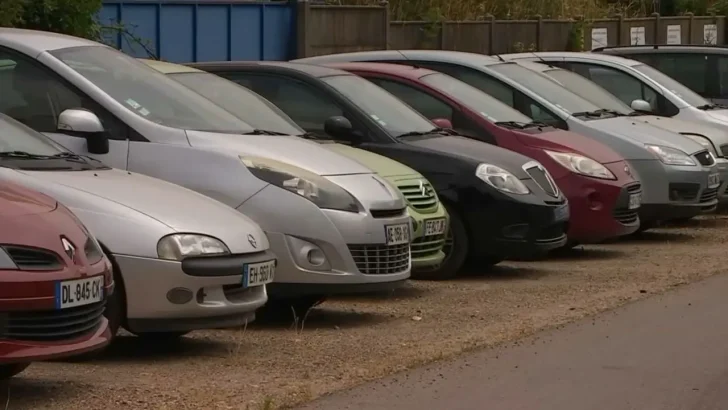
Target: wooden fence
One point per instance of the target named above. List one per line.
(325, 29)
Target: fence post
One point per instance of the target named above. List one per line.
(303, 11)
(620, 28)
(657, 30)
(690, 27)
(385, 4)
(539, 32)
(491, 37)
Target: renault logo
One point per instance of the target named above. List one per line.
(252, 241)
(68, 248)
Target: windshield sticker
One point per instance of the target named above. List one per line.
(133, 104)
(144, 112)
(377, 119)
(488, 117)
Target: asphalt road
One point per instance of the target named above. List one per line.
(663, 353)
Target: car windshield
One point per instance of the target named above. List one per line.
(687, 95)
(392, 114)
(545, 87)
(241, 102)
(490, 108)
(147, 92)
(589, 90)
(15, 136)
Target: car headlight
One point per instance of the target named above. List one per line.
(93, 250)
(581, 165)
(178, 246)
(704, 141)
(670, 156)
(6, 262)
(501, 179)
(317, 189)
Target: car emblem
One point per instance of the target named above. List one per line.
(68, 248)
(423, 188)
(252, 241)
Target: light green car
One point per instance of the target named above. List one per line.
(430, 220)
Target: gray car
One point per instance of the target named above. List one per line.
(182, 261)
(678, 175)
(334, 224)
(702, 133)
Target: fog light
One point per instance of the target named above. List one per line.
(515, 231)
(179, 296)
(315, 257)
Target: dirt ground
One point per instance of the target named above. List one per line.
(346, 342)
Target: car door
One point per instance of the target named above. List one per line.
(35, 95)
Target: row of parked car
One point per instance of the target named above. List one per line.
(164, 198)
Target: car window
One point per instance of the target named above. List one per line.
(240, 101)
(689, 69)
(723, 75)
(425, 104)
(14, 136)
(589, 90)
(686, 94)
(35, 97)
(146, 92)
(308, 107)
(622, 85)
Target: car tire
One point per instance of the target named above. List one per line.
(456, 248)
(115, 311)
(7, 371)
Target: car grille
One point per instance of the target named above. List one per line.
(553, 233)
(704, 158)
(543, 180)
(387, 213)
(426, 246)
(709, 195)
(381, 259)
(412, 192)
(33, 259)
(52, 325)
(625, 215)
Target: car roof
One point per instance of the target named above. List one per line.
(169, 68)
(404, 55)
(656, 48)
(308, 69)
(593, 56)
(399, 70)
(34, 42)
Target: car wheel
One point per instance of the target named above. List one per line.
(289, 309)
(9, 370)
(455, 249)
(115, 311)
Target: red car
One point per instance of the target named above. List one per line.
(54, 279)
(603, 195)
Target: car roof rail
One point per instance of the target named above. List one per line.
(657, 46)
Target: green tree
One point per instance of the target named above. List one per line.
(74, 17)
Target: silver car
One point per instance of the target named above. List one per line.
(181, 260)
(679, 176)
(334, 224)
(648, 90)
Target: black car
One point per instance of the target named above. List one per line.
(702, 68)
(497, 209)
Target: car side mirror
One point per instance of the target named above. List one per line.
(85, 124)
(339, 127)
(442, 122)
(641, 105)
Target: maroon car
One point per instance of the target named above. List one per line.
(603, 195)
(54, 279)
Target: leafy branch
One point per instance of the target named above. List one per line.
(127, 37)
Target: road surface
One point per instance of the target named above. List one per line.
(668, 352)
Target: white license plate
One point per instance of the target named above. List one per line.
(713, 180)
(435, 226)
(561, 213)
(79, 292)
(256, 274)
(397, 234)
(635, 200)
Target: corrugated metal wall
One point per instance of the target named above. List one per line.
(186, 31)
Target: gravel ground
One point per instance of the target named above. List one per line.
(346, 342)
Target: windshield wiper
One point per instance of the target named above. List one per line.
(22, 155)
(264, 132)
(514, 124)
(310, 136)
(711, 106)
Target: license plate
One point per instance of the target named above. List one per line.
(435, 226)
(713, 180)
(635, 200)
(561, 213)
(79, 292)
(257, 274)
(397, 234)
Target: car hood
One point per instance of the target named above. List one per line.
(714, 132)
(180, 209)
(476, 151)
(645, 133)
(18, 201)
(291, 150)
(567, 141)
(720, 115)
(382, 165)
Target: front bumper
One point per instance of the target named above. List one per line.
(217, 297)
(600, 208)
(722, 165)
(674, 192)
(427, 249)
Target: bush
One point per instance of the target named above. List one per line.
(74, 17)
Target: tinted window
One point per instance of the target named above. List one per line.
(489, 107)
(689, 69)
(723, 75)
(240, 101)
(391, 113)
(688, 95)
(544, 87)
(147, 92)
(589, 90)
(620, 84)
(425, 104)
